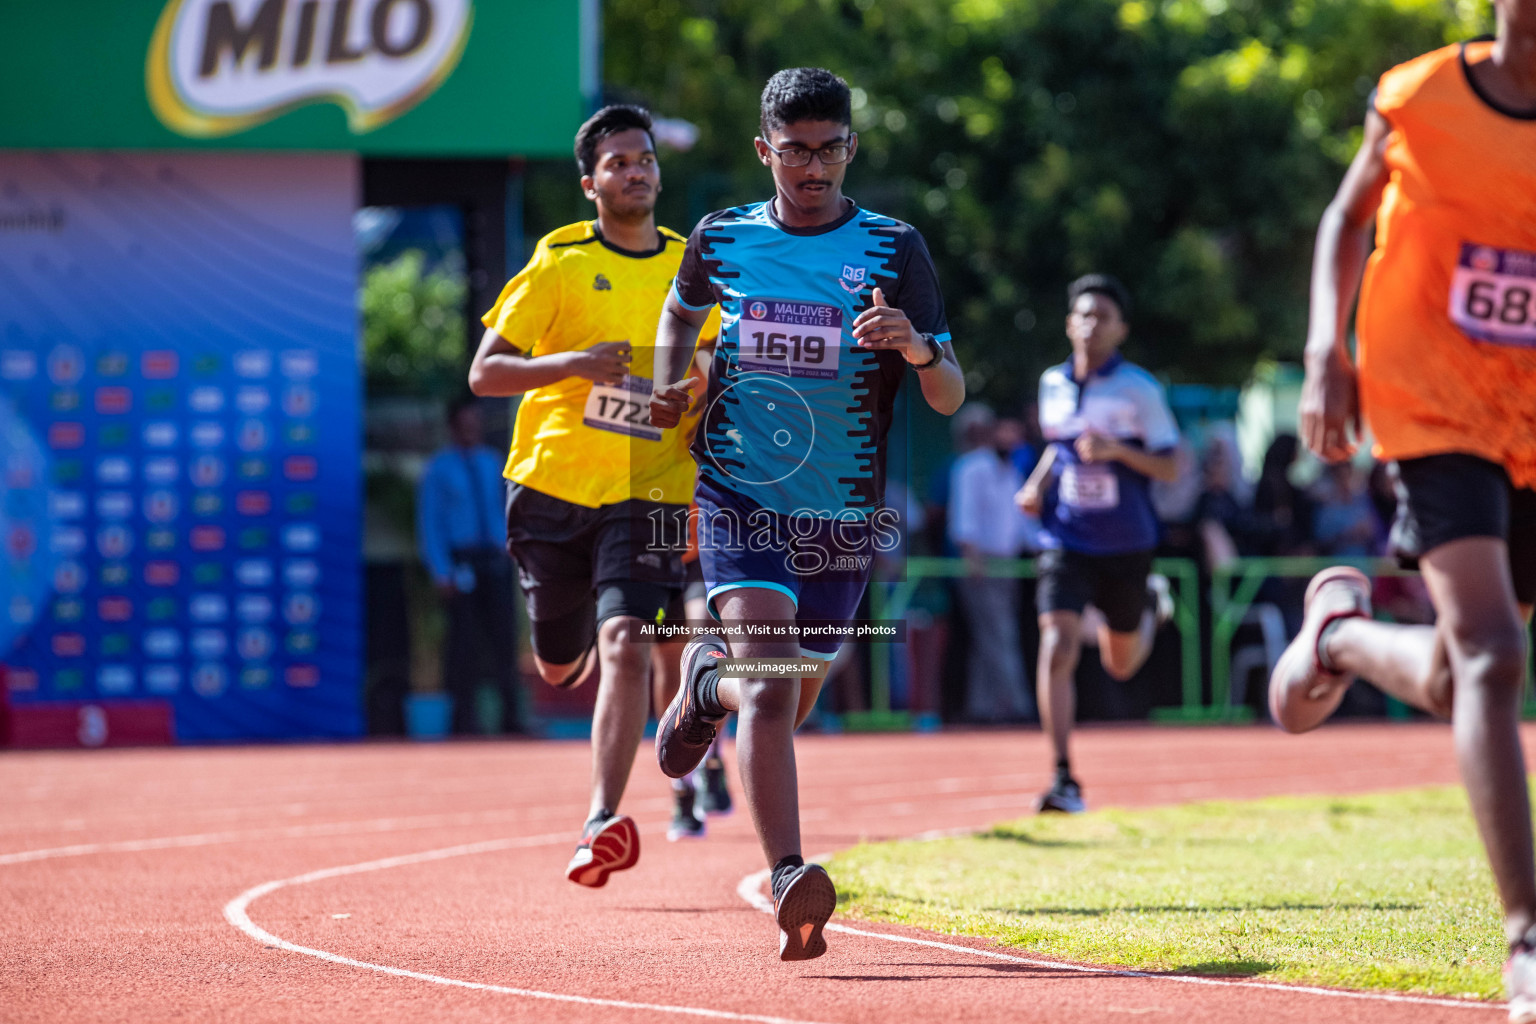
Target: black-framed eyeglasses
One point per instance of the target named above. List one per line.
(799, 156)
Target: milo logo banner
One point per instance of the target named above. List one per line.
(398, 78)
(222, 66)
(179, 447)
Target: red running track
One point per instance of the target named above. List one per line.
(196, 885)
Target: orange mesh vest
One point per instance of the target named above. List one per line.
(1447, 317)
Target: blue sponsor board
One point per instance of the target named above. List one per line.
(180, 407)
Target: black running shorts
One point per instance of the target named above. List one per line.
(580, 566)
(1115, 584)
(1441, 498)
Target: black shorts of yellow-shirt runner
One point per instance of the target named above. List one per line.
(579, 566)
(1442, 498)
(694, 589)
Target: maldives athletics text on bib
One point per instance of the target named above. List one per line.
(797, 339)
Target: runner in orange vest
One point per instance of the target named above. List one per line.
(1446, 379)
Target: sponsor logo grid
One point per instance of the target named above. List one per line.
(181, 534)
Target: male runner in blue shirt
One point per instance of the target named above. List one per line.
(1111, 434)
(824, 305)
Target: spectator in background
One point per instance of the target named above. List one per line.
(983, 524)
(1013, 437)
(1174, 503)
(1220, 518)
(1281, 525)
(1027, 451)
(1282, 512)
(1344, 520)
(462, 536)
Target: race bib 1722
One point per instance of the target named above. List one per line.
(623, 408)
(1493, 295)
(797, 339)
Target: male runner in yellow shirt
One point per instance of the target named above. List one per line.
(597, 496)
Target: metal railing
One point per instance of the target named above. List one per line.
(890, 600)
(1233, 590)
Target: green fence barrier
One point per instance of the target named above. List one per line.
(891, 601)
(1233, 589)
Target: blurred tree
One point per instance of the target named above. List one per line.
(413, 328)
(1187, 145)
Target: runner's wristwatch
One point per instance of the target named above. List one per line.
(938, 353)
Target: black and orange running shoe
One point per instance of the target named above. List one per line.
(686, 732)
(609, 843)
(803, 901)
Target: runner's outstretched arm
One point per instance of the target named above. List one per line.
(1330, 405)
(677, 334)
(501, 370)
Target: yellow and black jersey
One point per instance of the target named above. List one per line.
(585, 443)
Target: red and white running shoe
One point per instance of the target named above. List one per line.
(608, 844)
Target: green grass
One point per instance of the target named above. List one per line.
(1389, 891)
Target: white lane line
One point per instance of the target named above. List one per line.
(750, 889)
(236, 913)
(366, 826)
(234, 836)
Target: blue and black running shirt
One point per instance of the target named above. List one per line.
(1102, 508)
(797, 413)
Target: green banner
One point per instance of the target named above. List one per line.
(384, 77)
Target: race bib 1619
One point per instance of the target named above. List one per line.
(797, 339)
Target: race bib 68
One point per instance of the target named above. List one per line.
(1493, 295)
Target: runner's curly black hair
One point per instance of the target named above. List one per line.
(805, 94)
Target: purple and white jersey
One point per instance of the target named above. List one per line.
(1102, 508)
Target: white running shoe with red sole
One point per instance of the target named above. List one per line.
(614, 845)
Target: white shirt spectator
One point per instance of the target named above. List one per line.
(981, 511)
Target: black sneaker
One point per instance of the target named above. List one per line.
(684, 734)
(715, 799)
(1064, 797)
(686, 824)
(608, 844)
(803, 901)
